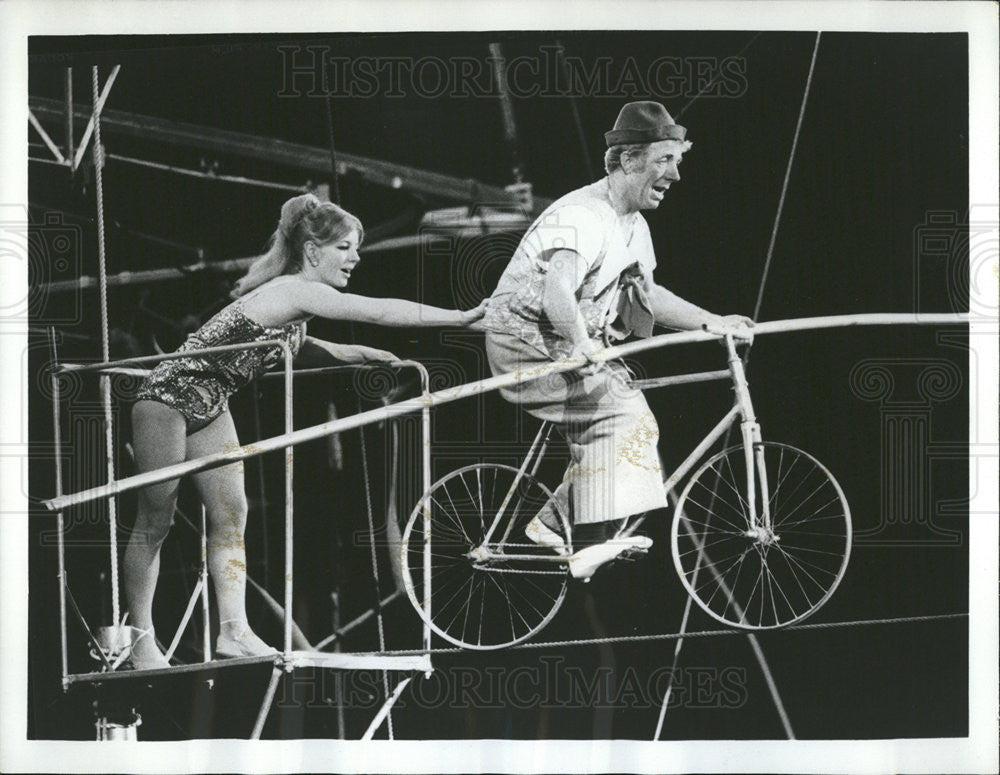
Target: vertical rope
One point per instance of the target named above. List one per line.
(784, 185)
(105, 381)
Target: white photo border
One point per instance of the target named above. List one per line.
(977, 753)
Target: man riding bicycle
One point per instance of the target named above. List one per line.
(580, 279)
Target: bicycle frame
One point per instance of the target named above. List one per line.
(759, 526)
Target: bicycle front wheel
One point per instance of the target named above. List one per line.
(752, 576)
(481, 583)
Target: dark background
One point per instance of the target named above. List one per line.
(872, 222)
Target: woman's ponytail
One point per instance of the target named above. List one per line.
(270, 265)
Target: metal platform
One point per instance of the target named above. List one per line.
(295, 659)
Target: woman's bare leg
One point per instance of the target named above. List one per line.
(158, 439)
(222, 492)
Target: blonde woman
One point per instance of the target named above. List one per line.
(182, 407)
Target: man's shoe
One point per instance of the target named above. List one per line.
(539, 533)
(584, 562)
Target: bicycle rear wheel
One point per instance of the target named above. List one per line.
(748, 577)
(484, 594)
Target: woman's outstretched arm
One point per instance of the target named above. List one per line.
(324, 301)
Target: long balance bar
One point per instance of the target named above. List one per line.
(469, 389)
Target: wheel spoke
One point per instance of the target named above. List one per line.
(810, 550)
(719, 575)
(734, 485)
(455, 520)
(511, 610)
(839, 517)
(792, 560)
(804, 566)
(742, 508)
(742, 614)
(782, 590)
(459, 538)
(479, 490)
(834, 499)
(529, 580)
(457, 512)
(470, 582)
(766, 584)
(783, 479)
(804, 502)
(472, 500)
(482, 612)
(731, 600)
(706, 545)
(738, 528)
(798, 485)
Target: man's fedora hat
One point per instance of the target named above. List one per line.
(644, 122)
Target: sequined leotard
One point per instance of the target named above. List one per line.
(199, 387)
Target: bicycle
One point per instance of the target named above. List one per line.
(760, 537)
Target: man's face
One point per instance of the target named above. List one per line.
(649, 178)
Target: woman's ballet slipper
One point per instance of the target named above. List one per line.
(148, 658)
(246, 645)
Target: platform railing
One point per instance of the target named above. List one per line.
(128, 367)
